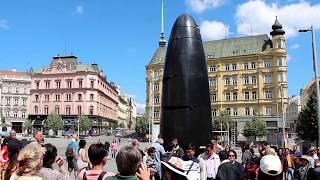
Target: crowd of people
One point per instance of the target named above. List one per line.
(36, 160)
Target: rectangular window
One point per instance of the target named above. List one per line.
(254, 79)
(46, 110)
(79, 110)
(37, 98)
(80, 83)
(16, 100)
(228, 111)
(68, 110)
(91, 97)
(227, 80)
(254, 94)
(246, 80)
(212, 68)
(79, 97)
(213, 112)
(37, 85)
(253, 65)
(47, 84)
(23, 114)
(280, 61)
(91, 110)
(69, 84)
(246, 95)
(24, 102)
(7, 113)
(279, 44)
(57, 97)
(228, 96)
(234, 67)
(268, 94)
(15, 114)
(156, 86)
(68, 97)
(269, 111)
(46, 97)
(156, 113)
(212, 82)
(235, 80)
(247, 111)
(35, 109)
(245, 66)
(235, 111)
(227, 66)
(235, 96)
(267, 63)
(268, 78)
(280, 76)
(58, 84)
(91, 84)
(254, 111)
(56, 109)
(213, 97)
(156, 100)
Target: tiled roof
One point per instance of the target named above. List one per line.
(225, 47)
(14, 73)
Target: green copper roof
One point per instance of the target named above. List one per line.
(225, 47)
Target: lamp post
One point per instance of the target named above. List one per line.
(283, 119)
(315, 69)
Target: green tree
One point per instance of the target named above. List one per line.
(142, 125)
(255, 128)
(26, 126)
(306, 124)
(54, 122)
(223, 121)
(85, 123)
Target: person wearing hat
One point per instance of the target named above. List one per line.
(270, 168)
(312, 152)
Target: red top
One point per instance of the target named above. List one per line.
(6, 152)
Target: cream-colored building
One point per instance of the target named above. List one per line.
(246, 75)
(306, 91)
(293, 110)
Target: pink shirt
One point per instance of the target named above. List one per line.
(114, 146)
(93, 174)
(212, 164)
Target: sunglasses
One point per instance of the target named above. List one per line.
(231, 155)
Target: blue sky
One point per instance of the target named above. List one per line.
(122, 35)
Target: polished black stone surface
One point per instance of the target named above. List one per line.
(185, 111)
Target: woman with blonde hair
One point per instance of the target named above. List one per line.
(30, 162)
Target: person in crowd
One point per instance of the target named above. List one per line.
(130, 166)
(72, 154)
(295, 153)
(29, 163)
(14, 147)
(246, 160)
(4, 132)
(151, 162)
(158, 145)
(37, 137)
(270, 168)
(98, 157)
(290, 162)
(178, 151)
(236, 169)
(135, 143)
(50, 157)
(190, 150)
(223, 169)
(114, 149)
(13, 134)
(209, 162)
(312, 152)
(83, 161)
(169, 153)
(226, 148)
(262, 148)
(107, 145)
(303, 167)
(4, 153)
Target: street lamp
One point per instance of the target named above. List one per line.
(283, 119)
(315, 69)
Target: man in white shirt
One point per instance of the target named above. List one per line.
(209, 162)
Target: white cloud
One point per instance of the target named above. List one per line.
(294, 46)
(258, 16)
(212, 30)
(79, 9)
(4, 24)
(201, 5)
(140, 107)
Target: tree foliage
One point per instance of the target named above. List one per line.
(26, 125)
(85, 123)
(223, 121)
(142, 125)
(255, 128)
(306, 124)
(54, 122)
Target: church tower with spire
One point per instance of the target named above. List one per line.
(277, 34)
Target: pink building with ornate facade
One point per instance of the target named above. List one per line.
(69, 88)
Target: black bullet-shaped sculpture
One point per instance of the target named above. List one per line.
(185, 111)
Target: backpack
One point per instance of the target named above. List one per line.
(69, 151)
(99, 178)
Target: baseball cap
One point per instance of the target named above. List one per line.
(271, 165)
